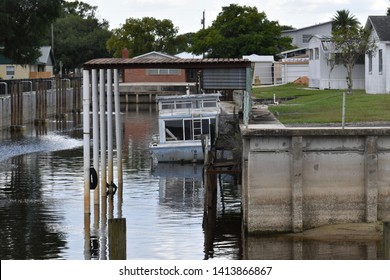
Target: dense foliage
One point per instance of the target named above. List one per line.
(140, 36)
(240, 30)
(79, 36)
(23, 25)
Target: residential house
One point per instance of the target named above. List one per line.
(155, 75)
(325, 70)
(42, 68)
(301, 36)
(377, 74)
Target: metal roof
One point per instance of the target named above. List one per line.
(165, 62)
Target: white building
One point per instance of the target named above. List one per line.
(377, 74)
(325, 71)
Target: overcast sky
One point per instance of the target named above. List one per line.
(187, 14)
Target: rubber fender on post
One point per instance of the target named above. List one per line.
(114, 188)
(93, 178)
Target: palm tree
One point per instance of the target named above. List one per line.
(344, 20)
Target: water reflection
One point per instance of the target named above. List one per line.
(41, 204)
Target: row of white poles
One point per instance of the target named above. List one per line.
(103, 162)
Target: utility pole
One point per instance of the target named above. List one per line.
(203, 20)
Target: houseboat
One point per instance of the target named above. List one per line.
(184, 120)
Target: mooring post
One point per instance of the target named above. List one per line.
(103, 179)
(386, 240)
(118, 130)
(86, 138)
(95, 129)
(110, 145)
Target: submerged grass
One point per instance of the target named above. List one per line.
(300, 105)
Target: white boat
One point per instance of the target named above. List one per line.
(184, 120)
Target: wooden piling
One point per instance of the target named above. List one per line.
(386, 240)
(117, 239)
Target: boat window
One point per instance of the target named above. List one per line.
(205, 126)
(181, 105)
(188, 129)
(174, 130)
(167, 105)
(209, 104)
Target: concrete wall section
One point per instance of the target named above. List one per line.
(300, 179)
(54, 106)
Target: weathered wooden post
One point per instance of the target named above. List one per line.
(210, 212)
(386, 240)
(117, 238)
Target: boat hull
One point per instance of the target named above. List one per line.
(178, 152)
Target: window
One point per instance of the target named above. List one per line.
(311, 54)
(380, 61)
(317, 53)
(10, 70)
(370, 63)
(163, 71)
(174, 130)
(306, 38)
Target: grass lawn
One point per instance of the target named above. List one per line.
(324, 106)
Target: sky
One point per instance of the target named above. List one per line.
(187, 14)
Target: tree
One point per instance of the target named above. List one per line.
(344, 20)
(79, 36)
(23, 25)
(240, 30)
(351, 42)
(140, 36)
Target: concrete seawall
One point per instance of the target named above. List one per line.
(300, 178)
(53, 105)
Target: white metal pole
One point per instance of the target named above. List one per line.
(103, 141)
(110, 144)
(86, 138)
(95, 129)
(118, 127)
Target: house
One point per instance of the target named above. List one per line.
(155, 75)
(325, 70)
(43, 68)
(262, 68)
(301, 37)
(377, 74)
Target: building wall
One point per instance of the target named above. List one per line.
(142, 76)
(377, 83)
(298, 35)
(321, 76)
(21, 72)
(296, 179)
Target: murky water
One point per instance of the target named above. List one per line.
(41, 204)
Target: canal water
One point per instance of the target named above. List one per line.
(42, 216)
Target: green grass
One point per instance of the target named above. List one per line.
(325, 106)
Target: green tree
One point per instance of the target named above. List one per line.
(23, 26)
(240, 30)
(343, 21)
(351, 42)
(140, 36)
(79, 36)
